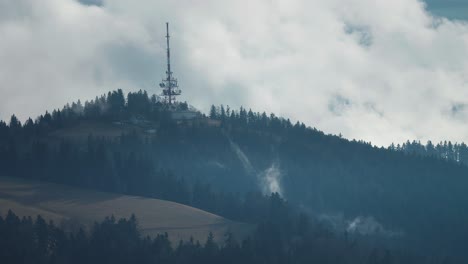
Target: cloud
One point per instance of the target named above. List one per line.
(381, 71)
(55, 51)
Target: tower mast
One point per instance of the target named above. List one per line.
(168, 72)
(169, 84)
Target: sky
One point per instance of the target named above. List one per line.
(375, 70)
(452, 9)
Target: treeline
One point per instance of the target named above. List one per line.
(281, 237)
(446, 150)
(113, 106)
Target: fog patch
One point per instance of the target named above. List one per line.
(216, 164)
(360, 225)
(249, 169)
(271, 180)
(370, 226)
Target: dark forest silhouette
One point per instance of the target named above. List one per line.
(279, 238)
(420, 190)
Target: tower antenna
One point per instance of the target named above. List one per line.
(169, 84)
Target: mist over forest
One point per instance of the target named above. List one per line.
(255, 168)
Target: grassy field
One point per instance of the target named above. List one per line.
(72, 207)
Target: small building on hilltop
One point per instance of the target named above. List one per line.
(182, 115)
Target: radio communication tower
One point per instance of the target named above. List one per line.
(169, 85)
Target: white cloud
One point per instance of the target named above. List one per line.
(376, 70)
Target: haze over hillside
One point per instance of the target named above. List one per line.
(228, 162)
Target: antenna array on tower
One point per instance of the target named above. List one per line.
(169, 85)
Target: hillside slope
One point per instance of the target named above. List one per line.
(134, 146)
(70, 206)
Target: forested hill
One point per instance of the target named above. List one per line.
(220, 162)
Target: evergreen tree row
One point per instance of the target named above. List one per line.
(446, 150)
(279, 238)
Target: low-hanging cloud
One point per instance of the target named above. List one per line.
(375, 70)
(270, 180)
(360, 225)
(370, 226)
